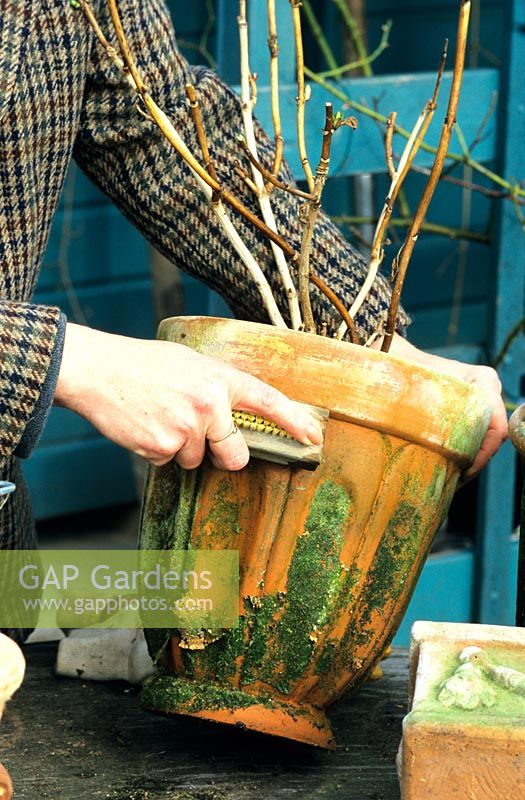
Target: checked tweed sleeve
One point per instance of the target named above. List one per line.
(31, 339)
(128, 158)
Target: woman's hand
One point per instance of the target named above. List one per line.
(485, 378)
(163, 400)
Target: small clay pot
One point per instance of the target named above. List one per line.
(12, 668)
(6, 787)
(328, 558)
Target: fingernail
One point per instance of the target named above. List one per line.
(314, 434)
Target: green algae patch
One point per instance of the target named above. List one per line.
(173, 695)
(187, 501)
(227, 651)
(313, 585)
(218, 659)
(399, 547)
(434, 490)
(326, 659)
(469, 428)
(161, 498)
(222, 520)
(260, 615)
(394, 557)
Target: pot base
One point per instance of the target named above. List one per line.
(263, 713)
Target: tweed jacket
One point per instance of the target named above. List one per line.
(61, 98)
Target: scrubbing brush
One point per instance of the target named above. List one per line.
(268, 441)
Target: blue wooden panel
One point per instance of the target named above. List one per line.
(91, 245)
(406, 94)
(200, 300)
(63, 426)
(417, 33)
(80, 191)
(429, 327)
(78, 476)
(259, 60)
(190, 20)
(125, 308)
(497, 499)
(444, 592)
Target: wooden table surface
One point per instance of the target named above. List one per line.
(63, 739)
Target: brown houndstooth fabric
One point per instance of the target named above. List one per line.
(59, 96)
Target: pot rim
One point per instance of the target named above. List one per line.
(381, 391)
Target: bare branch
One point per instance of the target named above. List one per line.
(311, 215)
(264, 199)
(444, 141)
(409, 153)
(301, 93)
(273, 46)
(390, 125)
(286, 187)
(201, 135)
(207, 184)
(338, 305)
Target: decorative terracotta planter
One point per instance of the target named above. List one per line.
(6, 787)
(329, 558)
(12, 668)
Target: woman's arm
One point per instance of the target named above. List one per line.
(128, 158)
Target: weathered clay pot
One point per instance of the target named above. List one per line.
(329, 558)
(12, 668)
(6, 787)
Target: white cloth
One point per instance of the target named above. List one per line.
(106, 654)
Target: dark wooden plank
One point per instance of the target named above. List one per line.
(64, 740)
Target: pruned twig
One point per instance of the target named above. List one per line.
(201, 136)
(207, 184)
(286, 187)
(338, 305)
(403, 168)
(444, 141)
(301, 93)
(166, 127)
(390, 125)
(273, 47)
(312, 212)
(247, 100)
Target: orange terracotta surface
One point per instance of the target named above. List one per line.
(329, 558)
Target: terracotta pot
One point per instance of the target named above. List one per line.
(329, 558)
(6, 787)
(12, 668)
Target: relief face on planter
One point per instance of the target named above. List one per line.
(473, 685)
(328, 557)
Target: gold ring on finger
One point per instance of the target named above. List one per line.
(232, 432)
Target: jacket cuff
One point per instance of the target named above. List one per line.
(27, 340)
(37, 422)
